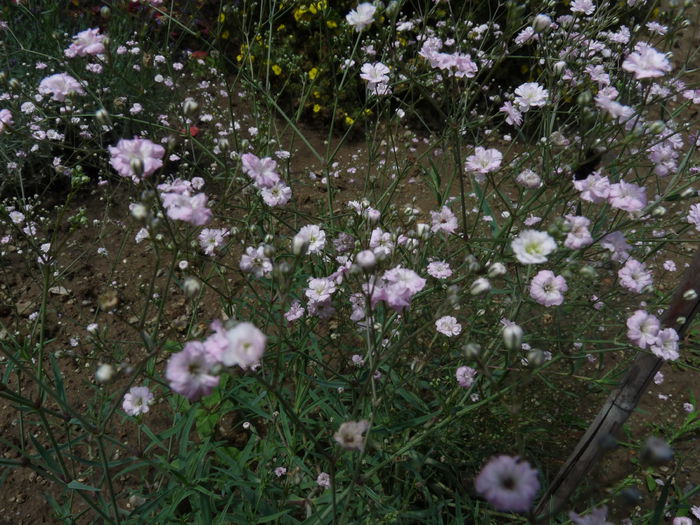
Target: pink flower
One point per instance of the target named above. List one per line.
(646, 62)
(483, 161)
(548, 289)
(666, 345)
(276, 195)
(617, 244)
(634, 276)
(513, 115)
(255, 261)
(296, 311)
(188, 371)
(262, 171)
(212, 238)
(578, 235)
(643, 328)
(323, 480)
(627, 196)
(246, 346)
(448, 326)
(5, 119)
(60, 86)
(397, 287)
(508, 483)
(587, 7)
(596, 517)
(137, 400)
(439, 269)
(465, 376)
(190, 209)
(443, 221)
(693, 216)
(594, 188)
(88, 42)
(136, 158)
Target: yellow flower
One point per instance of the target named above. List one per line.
(225, 34)
(322, 5)
(239, 57)
(349, 120)
(281, 27)
(331, 24)
(222, 17)
(316, 94)
(317, 108)
(313, 9)
(276, 70)
(368, 112)
(313, 73)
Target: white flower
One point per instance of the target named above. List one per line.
(362, 16)
(529, 95)
(137, 400)
(587, 7)
(533, 247)
(320, 289)
(448, 326)
(312, 236)
(376, 73)
(246, 345)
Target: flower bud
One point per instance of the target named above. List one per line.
(224, 144)
(656, 451)
(192, 286)
(690, 295)
(268, 250)
(658, 211)
(588, 272)
(535, 357)
(496, 270)
(541, 23)
(299, 244)
(657, 127)
(480, 286)
(15, 84)
(584, 98)
(513, 337)
(102, 116)
(105, 373)
(559, 67)
(687, 193)
(472, 263)
(472, 350)
(366, 259)
(422, 230)
(105, 12)
(189, 106)
(137, 166)
(139, 211)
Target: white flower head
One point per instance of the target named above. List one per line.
(362, 16)
(533, 247)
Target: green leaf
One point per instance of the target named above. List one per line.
(76, 485)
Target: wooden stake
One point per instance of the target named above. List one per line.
(623, 400)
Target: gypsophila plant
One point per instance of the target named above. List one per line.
(342, 262)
